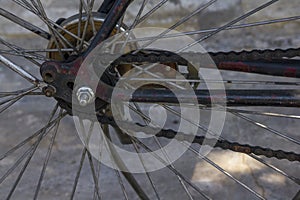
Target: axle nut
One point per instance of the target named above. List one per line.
(49, 91)
(85, 96)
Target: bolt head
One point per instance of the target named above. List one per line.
(48, 77)
(49, 91)
(83, 103)
(85, 96)
(84, 99)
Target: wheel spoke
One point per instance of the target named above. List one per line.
(134, 24)
(42, 15)
(240, 26)
(63, 47)
(13, 101)
(44, 131)
(90, 13)
(25, 4)
(25, 24)
(59, 39)
(84, 151)
(47, 158)
(297, 196)
(226, 173)
(121, 165)
(155, 8)
(256, 123)
(146, 70)
(171, 168)
(19, 70)
(38, 10)
(252, 112)
(296, 180)
(38, 50)
(19, 51)
(94, 174)
(178, 23)
(79, 23)
(271, 114)
(147, 173)
(87, 137)
(168, 160)
(88, 9)
(31, 153)
(163, 150)
(238, 82)
(219, 168)
(21, 144)
(118, 130)
(9, 105)
(8, 52)
(17, 163)
(28, 54)
(202, 127)
(137, 18)
(117, 172)
(121, 184)
(19, 96)
(233, 27)
(252, 12)
(68, 32)
(292, 178)
(86, 24)
(48, 22)
(98, 167)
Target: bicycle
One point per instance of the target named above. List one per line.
(137, 73)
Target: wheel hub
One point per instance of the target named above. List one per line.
(79, 28)
(60, 73)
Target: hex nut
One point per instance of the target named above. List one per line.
(85, 95)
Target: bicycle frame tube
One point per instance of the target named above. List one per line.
(284, 68)
(114, 15)
(279, 98)
(115, 10)
(106, 6)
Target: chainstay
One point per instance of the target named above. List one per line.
(223, 144)
(160, 56)
(153, 56)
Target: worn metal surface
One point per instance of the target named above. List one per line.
(109, 23)
(268, 62)
(220, 143)
(64, 162)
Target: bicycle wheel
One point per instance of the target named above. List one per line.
(256, 156)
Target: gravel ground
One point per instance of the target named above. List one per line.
(31, 113)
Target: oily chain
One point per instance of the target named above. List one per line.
(159, 56)
(223, 144)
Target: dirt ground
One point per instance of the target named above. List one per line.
(29, 115)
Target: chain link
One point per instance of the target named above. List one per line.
(223, 144)
(154, 56)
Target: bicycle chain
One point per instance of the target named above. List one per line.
(159, 56)
(223, 144)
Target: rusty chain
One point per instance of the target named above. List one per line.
(220, 143)
(160, 56)
(153, 56)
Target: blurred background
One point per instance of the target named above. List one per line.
(29, 114)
